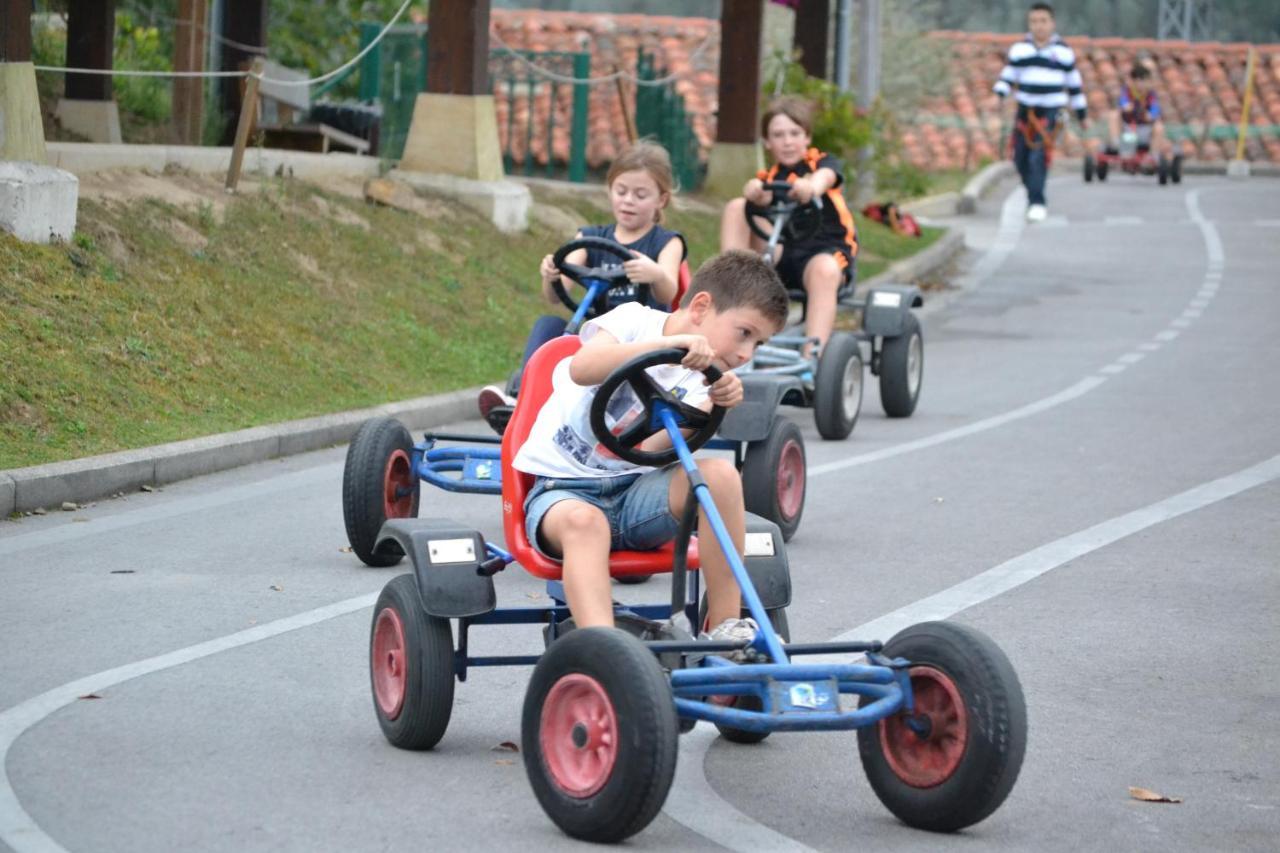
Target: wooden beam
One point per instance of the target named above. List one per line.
(812, 23)
(458, 47)
(15, 30)
(740, 29)
(91, 35)
(243, 21)
(188, 55)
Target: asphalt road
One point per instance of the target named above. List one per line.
(1092, 478)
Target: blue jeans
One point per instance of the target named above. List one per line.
(637, 507)
(545, 328)
(1030, 159)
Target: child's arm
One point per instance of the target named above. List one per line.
(815, 184)
(661, 275)
(604, 354)
(550, 273)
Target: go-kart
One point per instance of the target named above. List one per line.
(1133, 157)
(831, 382)
(940, 714)
(384, 465)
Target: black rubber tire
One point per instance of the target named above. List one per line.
(1175, 169)
(997, 730)
(760, 473)
(1088, 168)
(777, 618)
(647, 742)
(1102, 171)
(1162, 171)
(897, 397)
(428, 652)
(841, 354)
(633, 580)
(363, 510)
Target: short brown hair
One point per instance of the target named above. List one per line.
(738, 279)
(650, 157)
(799, 110)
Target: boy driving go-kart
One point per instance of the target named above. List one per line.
(1136, 141)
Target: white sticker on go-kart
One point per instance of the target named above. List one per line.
(806, 696)
(759, 545)
(885, 299)
(452, 550)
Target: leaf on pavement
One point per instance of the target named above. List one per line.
(505, 746)
(277, 587)
(503, 761)
(346, 550)
(89, 696)
(1151, 796)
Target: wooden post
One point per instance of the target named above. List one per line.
(15, 30)
(627, 119)
(810, 38)
(458, 59)
(740, 30)
(248, 113)
(188, 55)
(91, 32)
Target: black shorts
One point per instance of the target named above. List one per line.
(796, 257)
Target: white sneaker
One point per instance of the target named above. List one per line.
(734, 631)
(1036, 213)
(491, 397)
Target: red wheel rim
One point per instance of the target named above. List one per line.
(388, 661)
(790, 479)
(925, 762)
(397, 486)
(578, 735)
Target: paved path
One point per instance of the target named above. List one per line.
(1091, 478)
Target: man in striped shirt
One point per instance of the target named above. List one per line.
(1043, 70)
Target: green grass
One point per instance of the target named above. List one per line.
(158, 323)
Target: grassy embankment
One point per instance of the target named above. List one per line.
(162, 321)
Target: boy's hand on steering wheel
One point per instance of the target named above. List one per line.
(726, 391)
(753, 191)
(548, 270)
(700, 353)
(802, 191)
(643, 269)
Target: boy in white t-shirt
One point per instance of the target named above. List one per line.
(586, 501)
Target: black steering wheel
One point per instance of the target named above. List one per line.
(625, 445)
(614, 276)
(802, 221)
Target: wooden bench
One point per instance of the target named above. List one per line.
(281, 104)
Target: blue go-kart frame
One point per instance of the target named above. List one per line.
(940, 714)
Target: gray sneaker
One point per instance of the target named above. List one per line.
(734, 631)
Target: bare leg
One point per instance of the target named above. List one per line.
(734, 232)
(822, 277)
(1159, 142)
(1113, 129)
(580, 532)
(724, 599)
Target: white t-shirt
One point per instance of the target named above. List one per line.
(561, 443)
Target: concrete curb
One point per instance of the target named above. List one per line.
(81, 480)
(82, 158)
(940, 204)
(932, 259)
(981, 183)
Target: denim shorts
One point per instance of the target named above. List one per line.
(637, 506)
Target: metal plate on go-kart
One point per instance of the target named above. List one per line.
(758, 545)
(444, 551)
(802, 696)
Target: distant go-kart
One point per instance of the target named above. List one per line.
(831, 383)
(939, 713)
(384, 466)
(1134, 157)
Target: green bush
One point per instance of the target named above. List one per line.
(140, 48)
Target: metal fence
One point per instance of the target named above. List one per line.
(661, 114)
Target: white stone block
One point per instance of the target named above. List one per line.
(37, 203)
(504, 203)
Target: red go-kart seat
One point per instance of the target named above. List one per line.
(682, 285)
(534, 391)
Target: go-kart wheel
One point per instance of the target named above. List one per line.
(1162, 171)
(1089, 164)
(837, 392)
(615, 276)
(1103, 168)
(378, 482)
(623, 439)
(778, 619)
(1175, 169)
(599, 734)
(632, 580)
(773, 476)
(410, 667)
(954, 763)
(902, 369)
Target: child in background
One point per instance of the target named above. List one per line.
(640, 186)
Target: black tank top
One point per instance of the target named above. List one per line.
(651, 244)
